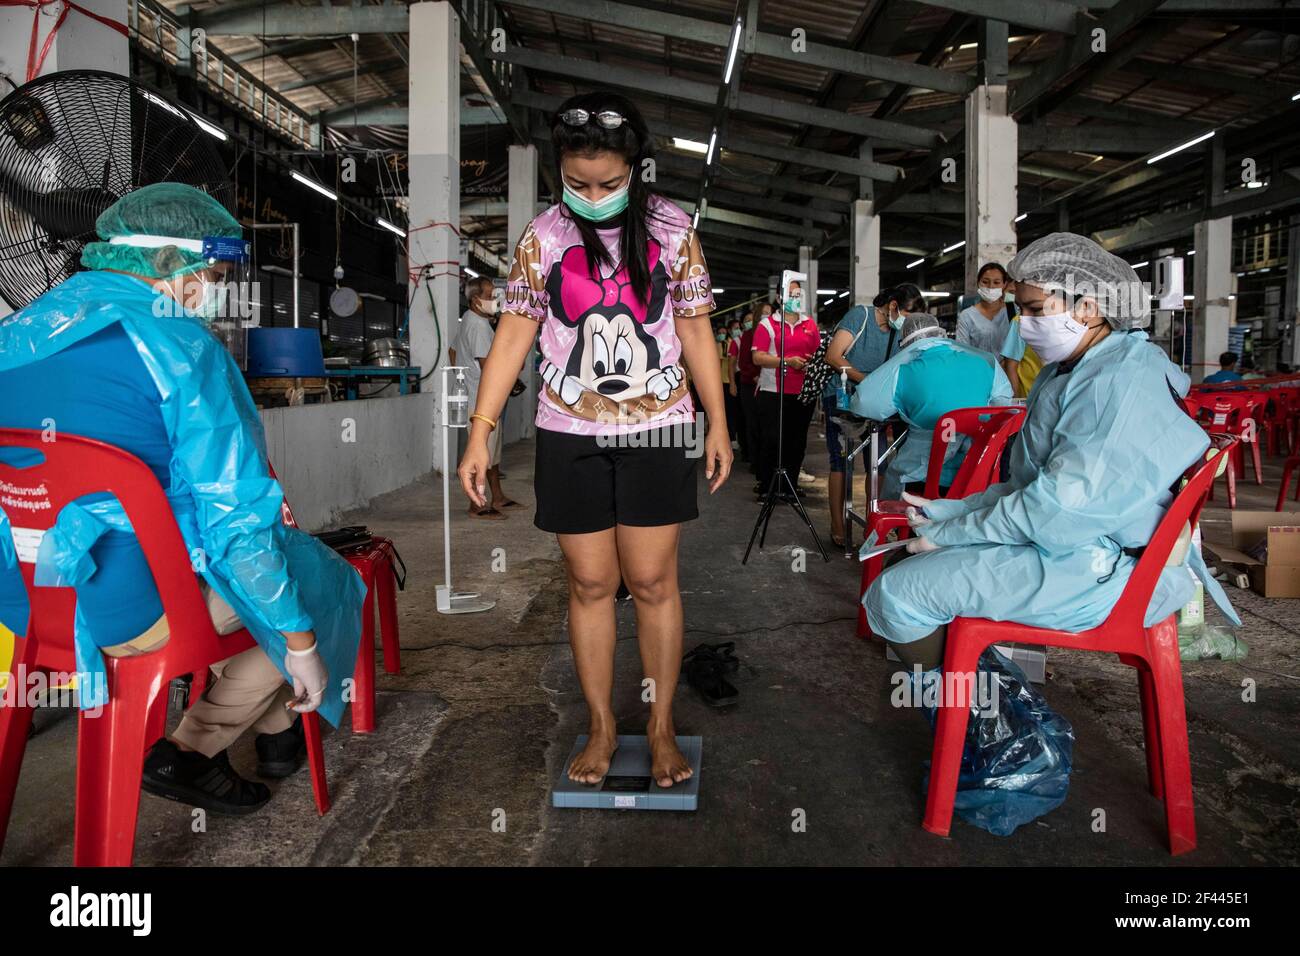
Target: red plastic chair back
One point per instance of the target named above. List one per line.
(73, 467)
(1233, 413)
(1129, 612)
(989, 428)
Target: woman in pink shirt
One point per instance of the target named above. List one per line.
(801, 340)
(614, 277)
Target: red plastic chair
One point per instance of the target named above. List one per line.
(1152, 650)
(111, 747)
(989, 429)
(1288, 467)
(376, 563)
(1200, 406)
(1279, 417)
(1241, 415)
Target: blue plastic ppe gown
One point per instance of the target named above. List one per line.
(226, 505)
(922, 383)
(1090, 474)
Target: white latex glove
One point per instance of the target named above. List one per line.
(921, 544)
(916, 500)
(309, 676)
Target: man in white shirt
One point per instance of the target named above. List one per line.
(469, 348)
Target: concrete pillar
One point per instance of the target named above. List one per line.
(522, 206)
(808, 266)
(1212, 284)
(991, 169)
(866, 252)
(434, 138)
(82, 43)
(522, 191)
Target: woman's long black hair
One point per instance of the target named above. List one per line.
(907, 296)
(634, 143)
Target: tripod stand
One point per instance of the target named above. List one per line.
(782, 486)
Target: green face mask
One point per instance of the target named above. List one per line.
(748, 326)
(794, 303)
(896, 322)
(608, 205)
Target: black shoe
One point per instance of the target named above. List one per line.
(280, 755)
(206, 782)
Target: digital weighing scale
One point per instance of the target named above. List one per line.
(628, 785)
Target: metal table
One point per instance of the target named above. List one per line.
(355, 374)
(867, 435)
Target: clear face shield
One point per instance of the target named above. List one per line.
(227, 294)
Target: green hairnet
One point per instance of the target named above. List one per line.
(161, 209)
(1077, 266)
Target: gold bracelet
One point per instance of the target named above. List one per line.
(483, 418)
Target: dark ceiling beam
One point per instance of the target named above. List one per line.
(1283, 191)
(1055, 16)
(294, 20)
(690, 91)
(1214, 81)
(667, 23)
(1078, 55)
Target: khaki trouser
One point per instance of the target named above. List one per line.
(249, 690)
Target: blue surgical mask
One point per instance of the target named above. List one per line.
(897, 321)
(611, 204)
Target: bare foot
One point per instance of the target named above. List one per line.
(667, 765)
(592, 764)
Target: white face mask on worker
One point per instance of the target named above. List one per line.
(989, 294)
(1054, 337)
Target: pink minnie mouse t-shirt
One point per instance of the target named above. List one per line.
(610, 362)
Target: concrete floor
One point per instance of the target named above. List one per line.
(487, 707)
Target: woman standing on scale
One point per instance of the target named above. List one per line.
(616, 280)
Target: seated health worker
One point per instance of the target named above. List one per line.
(930, 377)
(1090, 473)
(122, 354)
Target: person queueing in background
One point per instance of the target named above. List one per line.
(1227, 370)
(801, 340)
(723, 337)
(984, 324)
(860, 343)
(615, 278)
(122, 353)
(929, 377)
(746, 379)
(1019, 360)
(473, 342)
(740, 428)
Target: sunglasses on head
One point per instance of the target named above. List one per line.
(606, 119)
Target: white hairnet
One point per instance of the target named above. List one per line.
(1078, 267)
(919, 325)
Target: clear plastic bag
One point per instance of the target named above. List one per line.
(1015, 765)
(1206, 642)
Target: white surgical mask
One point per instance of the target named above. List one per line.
(989, 294)
(1053, 337)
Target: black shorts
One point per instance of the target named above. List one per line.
(584, 484)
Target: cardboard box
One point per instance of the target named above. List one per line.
(1278, 576)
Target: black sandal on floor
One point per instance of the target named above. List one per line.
(705, 666)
